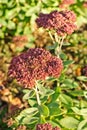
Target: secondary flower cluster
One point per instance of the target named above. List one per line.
(84, 70)
(35, 64)
(62, 22)
(66, 3)
(18, 39)
(85, 4)
(46, 126)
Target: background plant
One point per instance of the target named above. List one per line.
(71, 97)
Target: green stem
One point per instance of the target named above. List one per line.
(61, 44)
(17, 2)
(56, 38)
(53, 40)
(37, 95)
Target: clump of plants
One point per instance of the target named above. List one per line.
(54, 100)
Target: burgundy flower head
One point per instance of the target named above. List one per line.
(62, 22)
(35, 64)
(18, 39)
(84, 70)
(85, 4)
(66, 3)
(46, 126)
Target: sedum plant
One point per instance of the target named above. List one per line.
(59, 24)
(35, 64)
(52, 105)
(31, 69)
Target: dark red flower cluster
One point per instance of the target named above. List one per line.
(66, 3)
(85, 4)
(84, 70)
(46, 126)
(62, 22)
(35, 64)
(18, 39)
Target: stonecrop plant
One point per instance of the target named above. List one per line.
(58, 24)
(61, 22)
(45, 85)
(46, 126)
(33, 65)
(65, 3)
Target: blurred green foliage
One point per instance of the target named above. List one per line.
(17, 18)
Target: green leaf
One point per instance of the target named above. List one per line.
(11, 13)
(49, 79)
(76, 110)
(43, 110)
(32, 21)
(19, 49)
(55, 96)
(82, 78)
(29, 120)
(11, 25)
(20, 27)
(21, 16)
(29, 95)
(42, 119)
(52, 47)
(26, 30)
(69, 122)
(32, 101)
(81, 20)
(83, 103)
(26, 91)
(28, 111)
(3, 22)
(1, 35)
(1, 13)
(68, 62)
(50, 3)
(49, 92)
(45, 91)
(54, 124)
(82, 125)
(61, 78)
(44, 99)
(42, 90)
(69, 83)
(32, 10)
(54, 109)
(85, 94)
(67, 100)
(11, 5)
(82, 111)
(77, 93)
(66, 44)
(3, 1)
(63, 56)
(22, 1)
